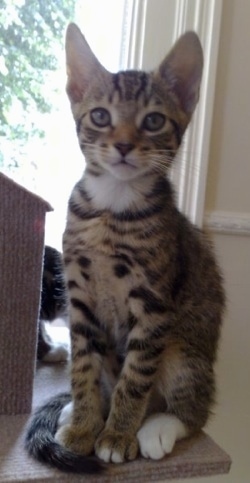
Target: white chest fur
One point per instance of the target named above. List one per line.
(108, 192)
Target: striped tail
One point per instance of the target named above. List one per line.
(41, 444)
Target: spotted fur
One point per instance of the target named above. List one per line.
(146, 296)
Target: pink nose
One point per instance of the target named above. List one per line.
(124, 148)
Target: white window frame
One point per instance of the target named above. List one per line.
(154, 26)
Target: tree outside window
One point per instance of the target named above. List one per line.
(31, 42)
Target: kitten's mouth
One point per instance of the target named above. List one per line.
(123, 169)
(124, 162)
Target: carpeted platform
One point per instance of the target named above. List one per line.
(198, 456)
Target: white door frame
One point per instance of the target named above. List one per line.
(154, 25)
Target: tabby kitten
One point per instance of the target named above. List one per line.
(145, 292)
(53, 305)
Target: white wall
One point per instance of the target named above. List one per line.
(229, 170)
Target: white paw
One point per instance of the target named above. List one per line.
(158, 435)
(66, 415)
(60, 434)
(58, 353)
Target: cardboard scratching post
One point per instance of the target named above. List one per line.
(22, 220)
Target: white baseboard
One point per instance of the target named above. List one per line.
(228, 222)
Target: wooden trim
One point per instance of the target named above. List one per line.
(191, 173)
(227, 222)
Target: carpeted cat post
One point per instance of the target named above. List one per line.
(22, 219)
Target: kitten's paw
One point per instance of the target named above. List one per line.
(158, 435)
(66, 415)
(116, 447)
(77, 439)
(58, 353)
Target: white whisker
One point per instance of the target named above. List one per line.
(160, 159)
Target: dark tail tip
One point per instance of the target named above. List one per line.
(41, 444)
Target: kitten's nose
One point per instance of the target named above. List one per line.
(124, 148)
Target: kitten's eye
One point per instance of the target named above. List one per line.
(100, 117)
(153, 121)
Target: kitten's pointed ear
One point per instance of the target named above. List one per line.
(182, 69)
(82, 64)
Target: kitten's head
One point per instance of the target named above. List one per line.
(132, 122)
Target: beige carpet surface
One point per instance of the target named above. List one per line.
(198, 456)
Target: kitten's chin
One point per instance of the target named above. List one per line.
(124, 171)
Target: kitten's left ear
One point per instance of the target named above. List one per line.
(182, 69)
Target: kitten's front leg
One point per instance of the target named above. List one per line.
(88, 347)
(86, 419)
(118, 441)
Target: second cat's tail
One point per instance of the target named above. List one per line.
(41, 444)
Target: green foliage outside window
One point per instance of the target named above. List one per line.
(31, 42)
